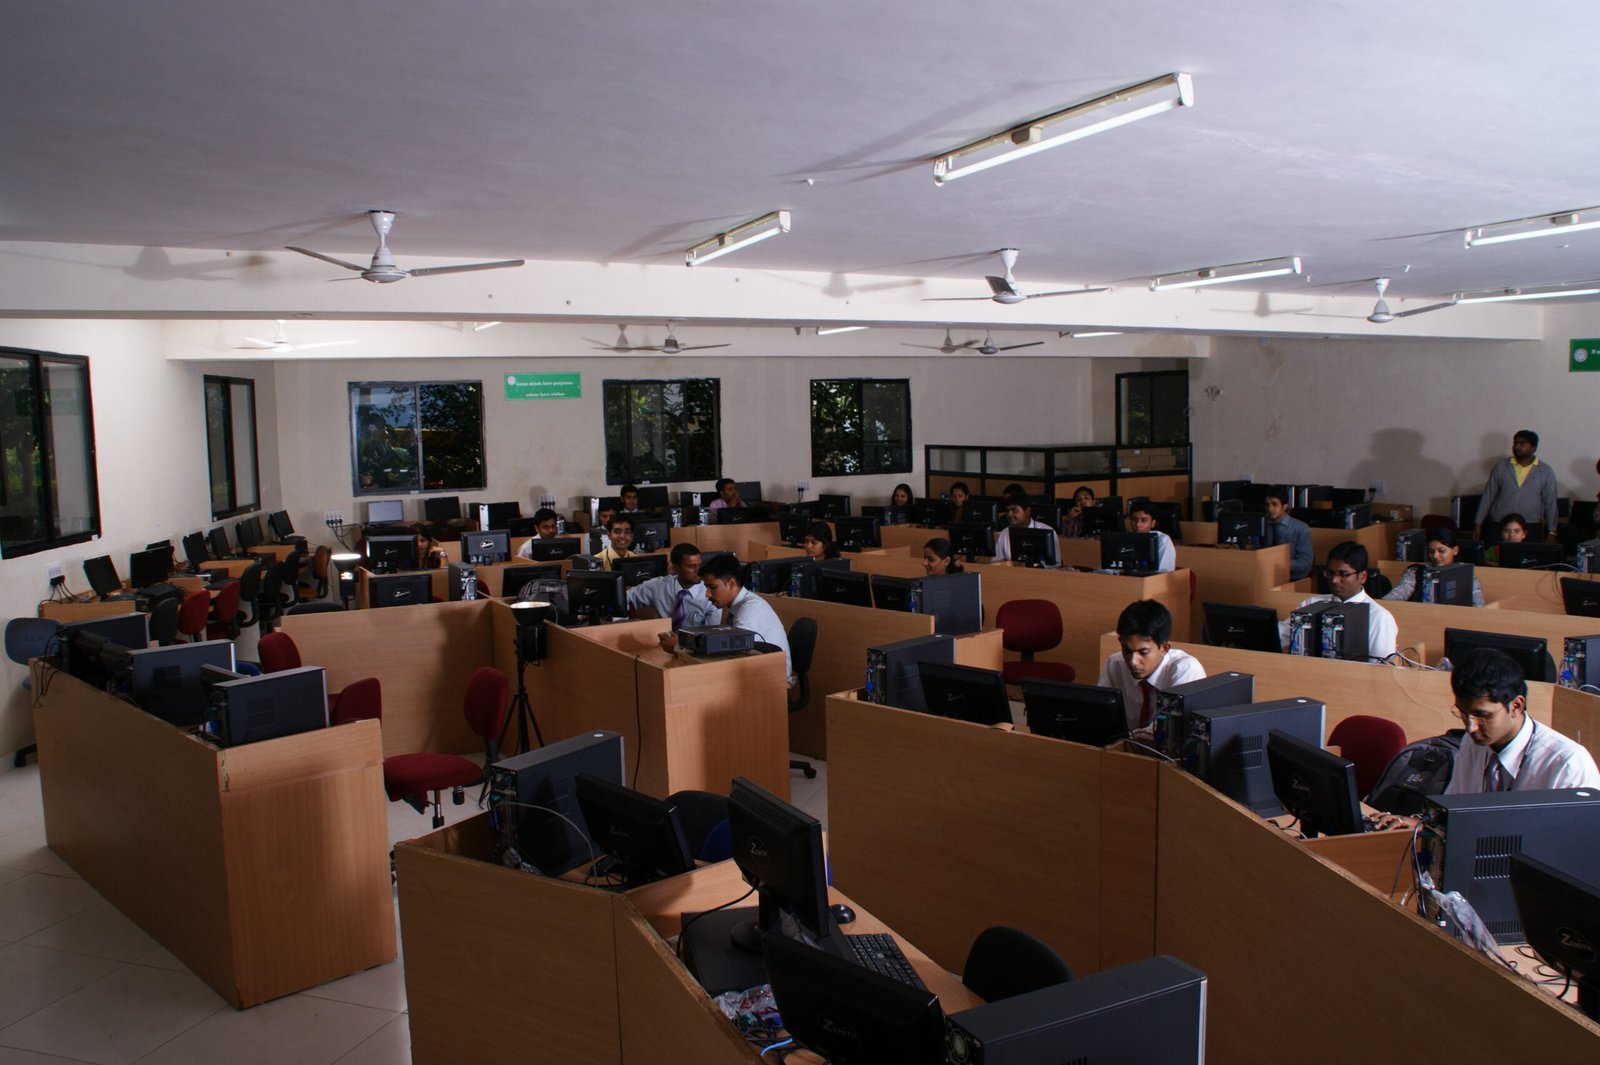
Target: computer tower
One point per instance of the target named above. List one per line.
(1152, 1012)
(461, 582)
(1329, 629)
(1226, 746)
(1576, 654)
(1468, 840)
(1172, 706)
(252, 709)
(892, 678)
(1411, 546)
(1587, 557)
(165, 681)
(533, 805)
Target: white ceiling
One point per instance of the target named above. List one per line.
(1360, 136)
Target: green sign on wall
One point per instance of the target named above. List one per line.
(544, 386)
(1584, 356)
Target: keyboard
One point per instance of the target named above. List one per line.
(879, 952)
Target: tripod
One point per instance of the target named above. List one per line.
(520, 710)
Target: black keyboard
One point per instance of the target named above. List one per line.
(879, 952)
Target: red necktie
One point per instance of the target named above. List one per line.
(1146, 690)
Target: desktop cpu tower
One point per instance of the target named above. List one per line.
(892, 677)
(1411, 546)
(1329, 629)
(1576, 653)
(1168, 715)
(1227, 746)
(1468, 841)
(534, 807)
(1587, 558)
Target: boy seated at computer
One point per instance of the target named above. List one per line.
(1442, 551)
(745, 609)
(546, 526)
(1283, 528)
(679, 595)
(1347, 576)
(1141, 519)
(1019, 511)
(620, 533)
(1147, 662)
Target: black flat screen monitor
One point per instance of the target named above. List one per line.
(897, 593)
(398, 589)
(486, 548)
(514, 578)
(1051, 514)
(80, 643)
(1242, 530)
(1530, 555)
(849, 1014)
(1254, 496)
(1314, 785)
(1531, 653)
(792, 527)
(282, 528)
(441, 508)
(1470, 551)
(831, 507)
(930, 513)
(596, 594)
(1581, 596)
(1247, 628)
(843, 586)
(856, 534)
(636, 569)
(641, 832)
(770, 576)
(896, 515)
(735, 515)
(554, 549)
(1129, 553)
(497, 515)
(656, 497)
(973, 539)
(1169, 517)
(522, 527)
(248, 532)
(149, 567)
(390, 554)
(1226, 490)
(165, 681)
(285, 703)
(966, 693)
(1560, 917)
(1345, 498)
(778, 849)
(986, 509)
(1034, 547)
(385, 511)
(194, 549)
(1451, 585)
(217, 540)
(1081, 713)
(749, 491)
(1099, 520)
(101, 573)
(650, 533)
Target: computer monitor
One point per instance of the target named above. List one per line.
(217, 540)
(1560, 917)
(972, 539)
(772, 576)
(1447, 585)
(1168, 516)
(532, 800)
(554, 549)
(1530, 555)
(398, 589)
(849, 1014)
(856, 534)
(151, 566)
(487, 547)
(986, 509)
(642, 833)
(1247, 628)
(165, 681)
(390, 554)
(843, 586)
(1225, 490)
(101, 573)
(636, 569)
(522, 527)
(194, 549)
(930, 513)
(1037, 548)
(832, 507)
(1081, 713)
(649, 534)
(497, 515)
(656, 496)
(792, 527)
(596, 594)
(1242, 530)
(1531, 653)
(252, 709)
(80, 642)
(1099, 520)
(514, 578)
(441, 508)
(1470, 551)
(966, 693)
(385, 511)
(1051, 514)
(1314, 785)
(1581, 597)
(778, 849)
(1129, 553)
(248, 532)
(735, 515)
(280, 526)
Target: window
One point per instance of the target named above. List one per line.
(416, 436)
(1153, 408)
(49, 494)
(860, 426)
(663, 430)
(231, 445)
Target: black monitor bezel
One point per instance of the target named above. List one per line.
(403, 549)
(1151, 553)
(846, 533)
(650, 844)
(1522, 649)
(986, 702)
(1263, 621)
(101, 573)
(1022, 541)
(150, 566)
(636, 569)
(1531, 554)
(578, 583)
(1323, 796)
(1103, 713)
(963, 534)
(849, 587)
(502, 540)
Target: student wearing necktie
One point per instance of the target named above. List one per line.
(1509, 751)
(1283, 529)
(744, 609)
(1147, 663)
(679, 595)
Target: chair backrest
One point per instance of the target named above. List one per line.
(193, 612)
(1007, 961)
(277, 652)
(357, 701)
(485, 702)
(1371, 743)
(271, 584)
(225, 607)
(315, 607)
(802, 647)
(250, 583)
(164, 621)
(1029, 625)
(699, 812)
(319, 562)
(29, 638)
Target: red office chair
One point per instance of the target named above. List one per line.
(225, 613)
(1031, 626)
(277, 652)
(193, 613)
(411, 776)
(1371, 743)
(356, 701)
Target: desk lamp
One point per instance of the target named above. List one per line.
(528, 637)
(346, 562)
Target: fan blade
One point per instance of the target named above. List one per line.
(702, 347)
(928, 347)
(322, 344)
(999, 286)
(426, 270)
(637, 347)
(1011, 347)
(254, 342)
(1424, 310)
(325, 258)
(1066, 292)
(947, 299)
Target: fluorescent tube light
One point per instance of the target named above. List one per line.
(832, 329)
(1096, 333)
(1223, 275)
(742, 236)
(1546, 292)
(1029, 137)
(481, 326)
(1553, 225)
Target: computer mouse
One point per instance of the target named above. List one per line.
(842, 913)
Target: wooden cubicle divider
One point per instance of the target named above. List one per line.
(261, 867)
(1536, 591)
(1373, 537)
(1228, 575)
(735, 538)
(908, 538)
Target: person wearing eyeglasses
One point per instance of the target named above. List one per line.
(1347, 576)
(1510, 751)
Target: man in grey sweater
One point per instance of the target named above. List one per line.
(1520, 484)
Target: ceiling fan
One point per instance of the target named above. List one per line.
(1004, 289)
(1382, 315)
(281, 345)
(670, 346)
(989, 347)
(949, 347)
(383, 269)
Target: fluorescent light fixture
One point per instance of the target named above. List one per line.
(1096, 333)
(481, 326)
(832, 329)
(1545, 225)
(1223, 275)
(1023, 140)
(1541, 292)
(742, 236)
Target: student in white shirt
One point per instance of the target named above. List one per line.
(746, 610)
(1347, 576)
(546, 526)
(1020, 513)
(679, 595)
(727, 495)
(1147, 663)
(1141, 520)
(1508, 750)
(620, 532)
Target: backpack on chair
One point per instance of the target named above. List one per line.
(1420, 769)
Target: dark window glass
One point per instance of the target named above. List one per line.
(49, 493)
(417, 436)
(1153, 408)
(860, 425)
(663, 430)
(231, 445)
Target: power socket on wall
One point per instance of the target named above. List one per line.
(56, 577)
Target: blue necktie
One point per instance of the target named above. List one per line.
(680, 608)
(1495, 777)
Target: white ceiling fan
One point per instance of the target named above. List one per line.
(988, 347)
(670, 346)
(1004, 289)
(383, 270)
(280, 343)
(949, 347)
(1382, 315)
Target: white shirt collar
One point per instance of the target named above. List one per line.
(1511, 755)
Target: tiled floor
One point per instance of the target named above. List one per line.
(81, 983)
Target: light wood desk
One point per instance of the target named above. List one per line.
(908, 537)
(67, 613)
(262, 868)
(231, 567)
(1535, 591)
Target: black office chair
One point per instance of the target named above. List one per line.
(802, 644)
(701, 813)
(269, 597)
(164, 622)
(315, 607)
(1004, 962)
(27, 639)
(249, 592)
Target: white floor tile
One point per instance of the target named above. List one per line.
(118, 1019)
(297, 1029)
(390, 1045)
(100, 931)
(58, 867)
(162, 958)
(37, 901)
(13, 1056)
(31, 978)
(381, 987)
(25, 849)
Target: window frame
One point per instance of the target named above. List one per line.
(631, 474)
(230, 447)
(421, 485)
(1149, 376)
(44, 433)
(866, 469)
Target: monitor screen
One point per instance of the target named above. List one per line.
(856, 534)
(486, 548)
(1448, 585)
(1050, 514)
(986, 509)
(514, 578)
(896, 593)
(656, 496)
(1034, 547)
(1531, 653)
(1101, 519)
(1242, 530)
(636, 569)
(441, 508)
(101, 573)
(650, 534)
(399, 589)
(1169, 517)
(1560, 917)
(792, 527)
(736, 515)
(894, 515)
(831, 507)
(843, 586)
(217, 539)
(385, 511)
(389, 554)
(596, 594)
(1248, 628)
(1345, 498)
(966, 693)
(749, 491)
(1581, 596)
(1470, 551)
(1129, 553)
(930, 513)
(194, 549)
(248, 532)
(1081, 713)
(1314, 785)
(778, 849)
(642, 833)
(555, 549)
(497, 515)
(974, 539)
(1529, 555)
(278, 521)
(149, 567)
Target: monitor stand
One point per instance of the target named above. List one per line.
(711, 956)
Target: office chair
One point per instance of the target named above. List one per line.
(802, 646)
(1371, 743)
(193, 613)
(225, 613)
(411, 776)
(249, 592)
(277, 652)
(704, 817)
(356, 701)
(27, 639)
(317, 587)
(1004, 962)
(1028, 627)
(315, 606)
(164, 621)
(269, 597)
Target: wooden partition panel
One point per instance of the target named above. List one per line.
(1372, 537)
(733, 538)
(1576, 715)
(1306, 961)
(424, 656)
(1228, 575)
(909, 538)
(1536, 591)
(666, 1016)
(892, 565)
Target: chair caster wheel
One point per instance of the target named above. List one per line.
(811, 774)
(458, 796)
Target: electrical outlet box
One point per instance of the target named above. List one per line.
(53, 571)
(1376, 488)
(332, 518)
(801, 486)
